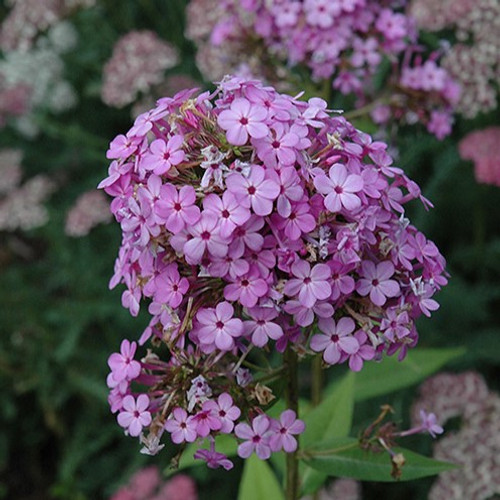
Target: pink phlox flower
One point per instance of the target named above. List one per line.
(206, 236)
(392, 25)
(256, 437)
(218, 326)
(395, 325)
(243, 377)
(340, 188)
(213, 458)
(299, 221)
(364, 352)
(336, 339)
(375, 281)
(176, 208)
(123, 365)
(254, 191)
(162, 156)
(121, 147)
(181, 426)
(342, 283)
(432, 77)
(321, 12)
(206, 421)
(228, 210)
(286, 14)
(248, 236)
(423, 248)
(284, 429)
(247, 289)
(170, 287)
(440, 124)
(243, 119)
(134, 415)
(290, 189)
(231, 265)
(145, 121)
(260, 327)
(225, 410)
(310, 284)
(304, 316)
(277, 148)
(430, 423)
(365, 52)
(131, 300)
(264, 261)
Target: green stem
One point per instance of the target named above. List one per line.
(292, 399)
(316, 390)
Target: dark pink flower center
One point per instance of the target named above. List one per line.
(338, 189)
(225, 214)
(177, 207)
(245, 282)
(205, 235)
(219, 325)
(261, 322)
(251, 190)
(244, 120)
(256, 439)
(307, 281)
(335, 337)
(276, 144)
(375, 282)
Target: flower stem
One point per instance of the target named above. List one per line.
(292, 399)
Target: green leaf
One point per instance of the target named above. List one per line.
(259, 482)
(390, 374)
(344, 458)
(332, 418)
(223, 444)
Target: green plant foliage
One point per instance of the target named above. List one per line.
(259, 482)
(344, 458)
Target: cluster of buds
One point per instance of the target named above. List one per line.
(253, 223)
(345, 42)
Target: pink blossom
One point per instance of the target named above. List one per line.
(214, 459)
(335, 340)
(170, 287)
(177, 209)
(228, 210)
(254, 191)
(205, 237)
(261, 327)
(134, 415)
(298, 221)
(364, 352)
(340, 187)
(375, 280)
(206, 421)
(284, 431)
(218, 326)
(181, 426)
(123, 365)
(164, 155)
(310, 284)
(225, 410)
(243, 119)
(256, 437)
(247, 289)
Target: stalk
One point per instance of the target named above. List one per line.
(292, 399)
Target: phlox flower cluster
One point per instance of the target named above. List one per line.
(482, 147)
(347, 42)
(254, 221)
(138, 62)
(474, 446)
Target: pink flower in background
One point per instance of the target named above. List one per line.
(90, 209)
(483, 148)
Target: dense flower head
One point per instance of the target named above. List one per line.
(346, 43)
(235, 246)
